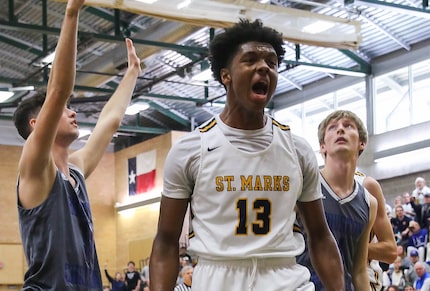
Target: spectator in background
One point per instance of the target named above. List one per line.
(418, 239)
(410, 273)
(389, 211)
(132, 278)
(420, 189)
(145, 273)
(409, 287)
(400, 225)
(187, 277)
(393, 288)
(406, 262)
(397, 277)
(117, 283)
(423, 211)
(422, 282)
(408, 205)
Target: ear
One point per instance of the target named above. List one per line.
(323, 149)
(32, 122)
(362, 145)
(225, 76)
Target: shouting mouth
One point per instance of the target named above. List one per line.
(260, 88)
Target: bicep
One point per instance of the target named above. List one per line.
(382, 226)
(313, 217)
(172, 213)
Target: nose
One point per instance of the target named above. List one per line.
(262, 66)
(70, 112)
(340, 128)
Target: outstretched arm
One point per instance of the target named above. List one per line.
(108, 276)
(110, 118)
(36, 166)
(385, 248)
(323, 251)
(164, 261)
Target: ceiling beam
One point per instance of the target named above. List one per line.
(21, 45)
(170, 113)
(100, 37)
(399, 8)
(128, 128)
(385, 30)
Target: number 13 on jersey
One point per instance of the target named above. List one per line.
(257, 218)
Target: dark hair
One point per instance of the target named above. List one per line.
(131, 262)
(27, 109)
(225, 45)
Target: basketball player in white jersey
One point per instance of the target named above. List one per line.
(243, 173)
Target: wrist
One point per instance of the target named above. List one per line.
(72, 11)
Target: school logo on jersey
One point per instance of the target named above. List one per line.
(141, 173)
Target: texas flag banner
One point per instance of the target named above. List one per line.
(141, 173)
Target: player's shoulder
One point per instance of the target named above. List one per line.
(279, 125)
(207, 125)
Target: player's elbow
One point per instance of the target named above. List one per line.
(390, 253)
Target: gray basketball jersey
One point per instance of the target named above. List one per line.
(58, 240)
(347, 218)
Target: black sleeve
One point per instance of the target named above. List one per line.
(108, 276)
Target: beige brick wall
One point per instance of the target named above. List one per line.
(9, 232)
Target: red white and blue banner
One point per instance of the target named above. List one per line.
(141, 173)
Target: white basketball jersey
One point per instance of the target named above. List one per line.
(243, 202)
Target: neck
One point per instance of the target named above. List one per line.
(241, 119)
(339, 175)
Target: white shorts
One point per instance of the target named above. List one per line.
(375, 275)
(251, 274)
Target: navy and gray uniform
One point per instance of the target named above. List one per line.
(58, 239)
(347, 218)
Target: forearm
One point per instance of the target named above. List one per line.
(164, 267)
(115, 108)
(382, 251)
(326, 260)
(63, 71)
(361, 280)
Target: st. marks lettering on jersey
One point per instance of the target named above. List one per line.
(253, 183)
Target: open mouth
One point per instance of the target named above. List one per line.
(260, 88)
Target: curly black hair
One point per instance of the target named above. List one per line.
(225, 45)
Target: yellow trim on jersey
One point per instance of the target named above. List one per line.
(358, 173)
(297, 228)
(208, 126)
(281, 126)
